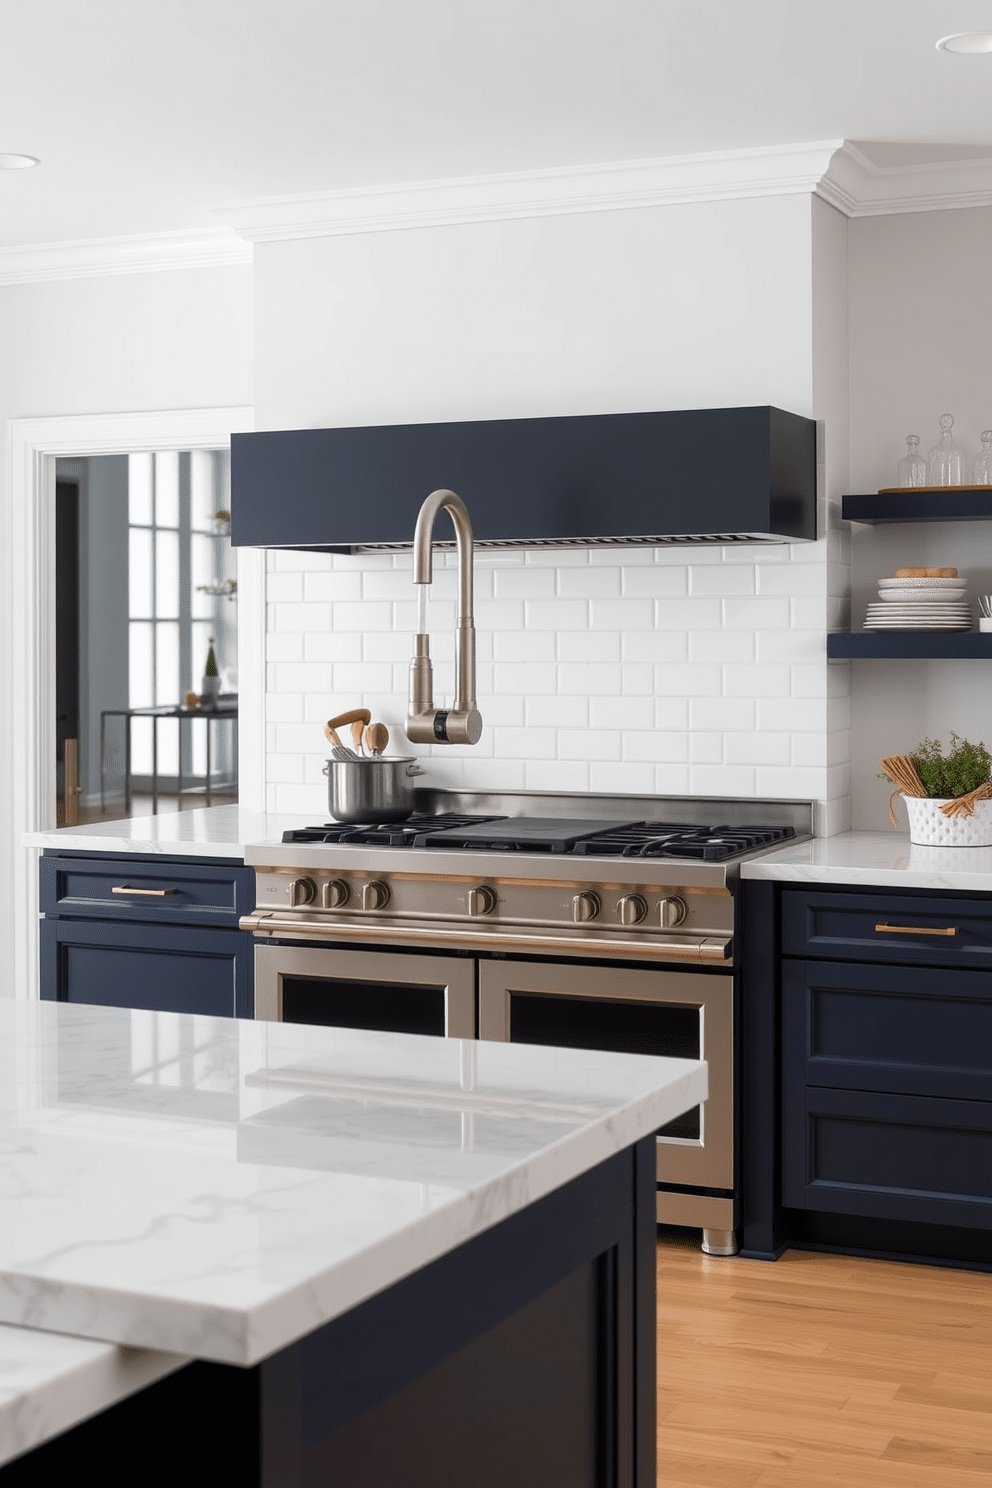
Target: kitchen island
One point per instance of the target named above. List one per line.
(391, 1259)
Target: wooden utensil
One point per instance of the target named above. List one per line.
(357, 730)
(377, 737)
(350, 717)
(338, 750)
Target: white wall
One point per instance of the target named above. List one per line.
(659, 670)
(921, 345)
(179, 339)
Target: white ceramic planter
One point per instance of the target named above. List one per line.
(929, 827)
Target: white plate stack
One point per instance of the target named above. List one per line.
(920, 604)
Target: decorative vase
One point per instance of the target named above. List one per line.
(929, 827)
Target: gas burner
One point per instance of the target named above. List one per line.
(669, 840)
(382, 834)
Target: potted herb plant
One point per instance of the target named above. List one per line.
(948, 795)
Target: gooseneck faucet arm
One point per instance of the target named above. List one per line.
(426, 724)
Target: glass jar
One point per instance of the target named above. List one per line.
(946, 459)
(912, 467)
(981, 466)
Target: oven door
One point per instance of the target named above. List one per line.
(664, 1012)
(388, 991)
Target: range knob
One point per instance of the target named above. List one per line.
(481, 900)
(585, 907)
(334, 894)
(631, 909)
(672, 911)
(302, 891)
(375, 894)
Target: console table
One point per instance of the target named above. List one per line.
(225, 711)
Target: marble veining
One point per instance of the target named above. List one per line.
(49, 1382)
(205, 832)
(218, 1189)
(876, 858)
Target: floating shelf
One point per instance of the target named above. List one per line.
(953, 504)
(910, 646)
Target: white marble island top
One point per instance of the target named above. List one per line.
(219, 1189)
(883, 859)
(205, 832)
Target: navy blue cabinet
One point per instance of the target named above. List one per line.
(887, 1056)
(157, 933)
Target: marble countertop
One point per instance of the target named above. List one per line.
(49, 1382)
(877, 859)
(205, 832)
(218, 1189)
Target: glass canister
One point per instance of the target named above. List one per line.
(945, 461)
(912, 467)
(981, 466)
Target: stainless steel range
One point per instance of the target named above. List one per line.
(588, 921)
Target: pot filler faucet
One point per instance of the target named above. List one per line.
(426, 724)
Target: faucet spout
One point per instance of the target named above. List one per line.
(461, 724)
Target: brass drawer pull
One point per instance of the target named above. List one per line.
(916, 930)
(147, 893)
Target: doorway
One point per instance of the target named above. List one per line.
(146, 604)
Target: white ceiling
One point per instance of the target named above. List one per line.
(146, 117)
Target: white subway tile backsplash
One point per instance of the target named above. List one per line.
(622, 614)
(722, 714)
(671, 713)
(585, 645)
(640, 671)
(556, 775)
(647, 646)
(589, 583)
(760, 748)
(687, 681)
(557, 712)
(655, 582)
(711, 578)
(657, 747)
(633, 712)
(688, 614)
(590, 744)
(556, 614)
(625, 777)
(526, 743)
(524, 583)
(759, 613)
(722, 645)
(325, 587)
(593, 679)
(525, 645)
(705, 749)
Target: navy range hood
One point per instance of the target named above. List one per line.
(715, 475)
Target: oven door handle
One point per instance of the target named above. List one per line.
(504, 938)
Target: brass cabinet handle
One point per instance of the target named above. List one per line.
(916, 930)
(147, 893)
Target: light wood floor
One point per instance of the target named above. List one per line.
(819, 1370)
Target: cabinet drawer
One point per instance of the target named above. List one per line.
(165, 968)
(899, 1029)
(163, 891)
(887, 927)
(889, 1156)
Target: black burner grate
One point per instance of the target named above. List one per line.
(669, 840)
(382, 834)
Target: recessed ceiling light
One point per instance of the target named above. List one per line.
(970, 42)
(18, 162)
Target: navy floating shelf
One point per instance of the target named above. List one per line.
(949, 505)
(910, 646)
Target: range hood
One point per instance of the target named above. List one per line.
(715, 475)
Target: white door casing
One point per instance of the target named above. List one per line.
(27, 573)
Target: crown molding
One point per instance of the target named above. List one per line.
(616, 186)
(859, 188)
(90, 258)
